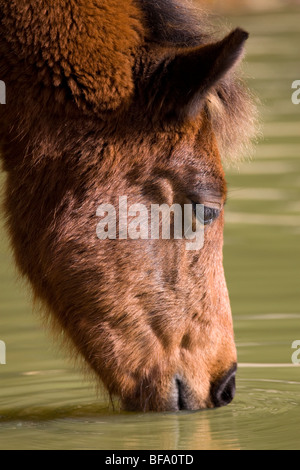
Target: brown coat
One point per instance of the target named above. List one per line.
(107, 98)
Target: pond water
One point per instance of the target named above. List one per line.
(45, 403)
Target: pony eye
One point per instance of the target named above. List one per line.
(210, 214)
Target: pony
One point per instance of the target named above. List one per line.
(135, 98)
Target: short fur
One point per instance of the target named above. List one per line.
(107, 98)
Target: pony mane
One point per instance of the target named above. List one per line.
(231, 105)
(114, 30)
(176, 22)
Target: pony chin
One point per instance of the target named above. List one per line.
(113, 98)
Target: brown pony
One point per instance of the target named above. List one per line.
(136, 98)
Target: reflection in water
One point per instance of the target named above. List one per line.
(45, 405)
(181, 431)
(264, 415)
(86, 427)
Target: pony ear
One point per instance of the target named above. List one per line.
(189, 76)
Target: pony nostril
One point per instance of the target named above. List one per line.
(223, 391)
(182, 395)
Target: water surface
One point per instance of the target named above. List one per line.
(44, 402)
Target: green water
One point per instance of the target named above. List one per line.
(44, 402)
